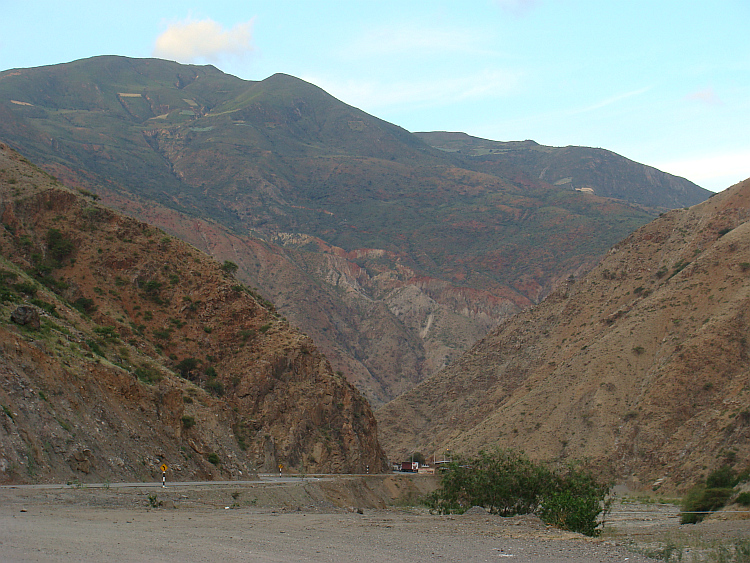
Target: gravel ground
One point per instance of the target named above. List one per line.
(241, 524)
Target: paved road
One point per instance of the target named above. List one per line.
(262, 479)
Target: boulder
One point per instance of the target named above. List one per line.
(26, 316)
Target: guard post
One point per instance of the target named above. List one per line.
(163, 475)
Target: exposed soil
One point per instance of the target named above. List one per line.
(314, 520)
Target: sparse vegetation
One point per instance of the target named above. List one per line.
(148, 374)
(188, 421)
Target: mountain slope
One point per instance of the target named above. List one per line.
(148, 352)
(597, 171)
(641, 365)
(393, 255)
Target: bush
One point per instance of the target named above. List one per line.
(214, 458)
(213, 385)
(700, 500)
(29, 288)
(573, 501)
(188, 422)
(186, 366)
(743, 498)
(229, 267)
(711, 495)
(508, 483)
(58, 246)
(85, 305)
(148, 374)
(721, 478)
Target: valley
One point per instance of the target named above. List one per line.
(239, 272)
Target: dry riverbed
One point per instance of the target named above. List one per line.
(319, 521)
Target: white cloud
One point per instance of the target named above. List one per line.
(191, 40)
(371, 95)
(714, 172)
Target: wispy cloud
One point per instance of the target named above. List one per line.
(418, 39)
(612, 100)
(706, 96)
(517, 7)
(192, 40)
(371, 95)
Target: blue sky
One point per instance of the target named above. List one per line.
(662, 82)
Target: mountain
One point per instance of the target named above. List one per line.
(393, 255)
(124, 348)
(592, 170)
(641, 365)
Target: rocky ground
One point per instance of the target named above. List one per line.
(362, 519)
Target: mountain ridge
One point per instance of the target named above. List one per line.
(279, 166)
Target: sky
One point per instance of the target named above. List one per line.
(662, 82)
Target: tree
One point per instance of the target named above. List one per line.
(229, 267)
(185, 367)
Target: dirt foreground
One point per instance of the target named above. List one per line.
(322, 521)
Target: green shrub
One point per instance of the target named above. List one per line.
(507, 483)
(107, 333)
(48, 307)
(162, 333)
(186, 367)
(147, 374)
(58, 246)
(229, 267)
(213, 458)
(95, 348)
(213, 385)
(29, 288)
(709, 496)
(85, 305)
(724, 477)
(188, 422)
(573, 501)
(700, 500)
